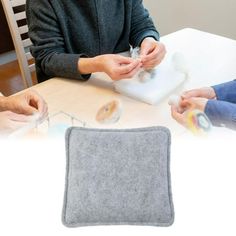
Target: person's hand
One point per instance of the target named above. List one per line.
(193, 103)
(205, 92)
(185, 105)
(152, 53)
(179, 115)
(10, 121)
(27, 103)
(118, 67)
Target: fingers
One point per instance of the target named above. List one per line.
(125, 69)
(185, 103)
(147, 46)
(29, 110)
(131, 73)
(151, 56)
(179, 117)
(18, 117)
(198, 103)
(154, 55)
(123, 60)
(26, 103)
(192, 93)
(152, 63)
(36, 104)
(206, 92)
(148, 50)
(193, 103)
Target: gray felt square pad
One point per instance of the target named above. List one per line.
(116, 177)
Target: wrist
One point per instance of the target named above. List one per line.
(213, 93)
(87, 65)
(202, 105)
(98, 63)
(3, 103)
(149, 38)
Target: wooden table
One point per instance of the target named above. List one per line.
(211, 59)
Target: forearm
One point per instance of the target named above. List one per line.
(60, 65)
(226, 91)
(221, 113)
(142, 25)
(4, 105)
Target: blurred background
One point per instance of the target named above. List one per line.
(214, 16)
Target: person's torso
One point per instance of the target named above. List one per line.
(94, 26)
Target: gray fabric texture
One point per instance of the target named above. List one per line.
(118, 177)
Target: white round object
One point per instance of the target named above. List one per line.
(174, 100)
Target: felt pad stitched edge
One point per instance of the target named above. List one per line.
(105, 187)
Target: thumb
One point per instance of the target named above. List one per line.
(187, 103)
(29, 110)
(144, 50)
(124, 60)
(197, 103)
(192, 93)
(192, 100)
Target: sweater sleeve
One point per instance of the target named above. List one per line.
(226, 91)
(48, 44)
(142, 25)
(221, 113)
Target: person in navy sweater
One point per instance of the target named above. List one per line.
(218, 102)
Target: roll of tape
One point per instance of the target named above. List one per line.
(109, 113)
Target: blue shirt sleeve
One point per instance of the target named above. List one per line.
(226, 91)
(221, 113)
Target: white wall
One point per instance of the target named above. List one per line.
(214, 16)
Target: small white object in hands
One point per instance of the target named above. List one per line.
(174, 100)
(135, 52)
(143, 75)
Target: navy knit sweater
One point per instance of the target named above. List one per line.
(62, 31)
